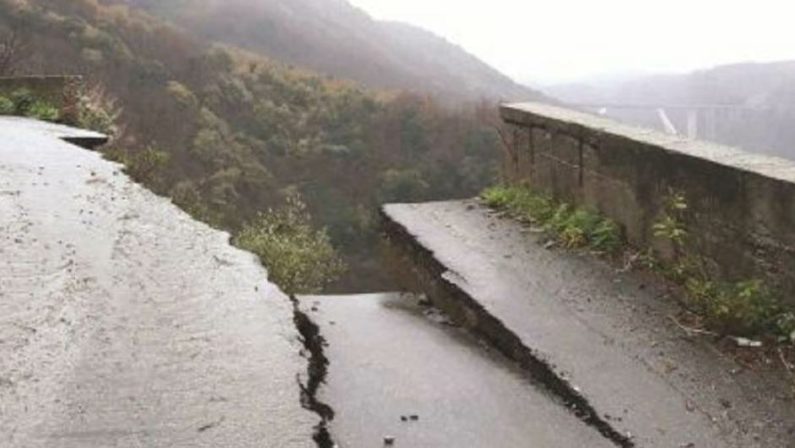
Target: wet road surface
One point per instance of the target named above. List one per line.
(604, 332)
(125, 323)
(391, 358)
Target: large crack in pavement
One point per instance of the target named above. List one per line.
(403, 373)
(433, 278)
(598, 338)
(317, 368)
(542, 372)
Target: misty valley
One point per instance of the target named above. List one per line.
(350, 223)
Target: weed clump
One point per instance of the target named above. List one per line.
(24, 103)
(299, 258)
(741, 308)
(745, 308)
(572, 227)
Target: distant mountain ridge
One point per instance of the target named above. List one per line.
(767, 90)
(752, 84)
(335, 38)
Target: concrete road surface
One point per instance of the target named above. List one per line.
(608, 334)
(390, 359)
(125, 323)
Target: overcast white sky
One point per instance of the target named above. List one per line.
(564, 40)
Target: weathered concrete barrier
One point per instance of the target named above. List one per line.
(741, 206)
(61, 91)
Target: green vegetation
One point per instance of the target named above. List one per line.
(222, 131)
(744, 308)
(572, 227)
(144, 166)
(98, 112)
(95, 110)
(299, 258)
(351, 45)
(24, 104)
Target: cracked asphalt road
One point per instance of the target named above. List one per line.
(124, 322)
(392, 358)
(607, 333)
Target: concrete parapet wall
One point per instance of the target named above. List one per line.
(61, 91)
(741, 214)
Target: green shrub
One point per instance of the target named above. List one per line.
(145, 166)
(6, 106)
(24, 103)
(98, 111)
(746, 308)
(402, 185)
(41, 110)
(23, 100)
(188, 197)
(499, 197)
(299, 258)
(606, 236)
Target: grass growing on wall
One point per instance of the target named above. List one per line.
(573, 227)
(747, 307)
(742, 308)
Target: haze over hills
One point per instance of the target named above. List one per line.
(765, 84)
(338, 39)
(226, 133)
(766, 92)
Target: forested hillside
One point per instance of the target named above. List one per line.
(225, 133)
(335, 38)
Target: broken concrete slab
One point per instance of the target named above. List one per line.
(396, 372)
(124, 322)
(603, 340)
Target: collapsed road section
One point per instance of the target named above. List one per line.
(599, 338)
(399, 374)
(124, 322)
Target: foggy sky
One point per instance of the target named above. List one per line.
(563, 40)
